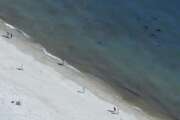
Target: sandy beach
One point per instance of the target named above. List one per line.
(36, 85)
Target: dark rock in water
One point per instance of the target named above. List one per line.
(146, 27)
(155, 18)
(132, 91)
(12, 101)
(100, 43)
(158, 30)
(152, 35)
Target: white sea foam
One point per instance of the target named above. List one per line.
(10, 26)
(56, 58)
(50, 55)
(26, 35)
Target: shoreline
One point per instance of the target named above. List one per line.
(37, 51)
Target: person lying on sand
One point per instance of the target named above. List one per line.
(8, 35)
(114, 111)
(20, 68)
(82, 91)
(61, 63)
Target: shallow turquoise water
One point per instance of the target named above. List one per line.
(135, 43)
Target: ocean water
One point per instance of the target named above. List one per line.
(132, 43)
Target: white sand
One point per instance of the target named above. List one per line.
(46, 93)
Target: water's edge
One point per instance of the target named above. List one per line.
(110, 88)
(130, 44)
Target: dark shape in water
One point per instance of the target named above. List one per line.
(158, 30)
(100, 43)
(146, 27)
(152, 35)
(132, 91)
(155, 18)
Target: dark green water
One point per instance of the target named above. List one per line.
(133, 43)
